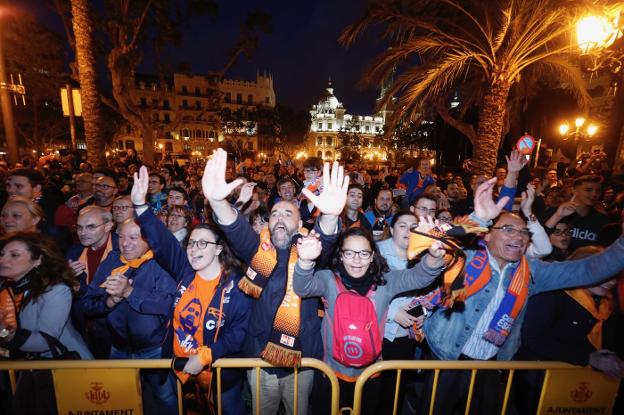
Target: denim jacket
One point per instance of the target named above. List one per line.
(447, 331)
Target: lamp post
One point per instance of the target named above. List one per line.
(579, 134)
(601, 46)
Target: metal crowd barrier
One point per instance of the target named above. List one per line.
(137, 364)
(473, 366)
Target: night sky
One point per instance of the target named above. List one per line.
(302, 52)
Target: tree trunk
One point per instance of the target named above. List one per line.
(85, 58)
(489, 130)
(147, 134)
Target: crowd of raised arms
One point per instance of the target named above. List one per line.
(303, 259)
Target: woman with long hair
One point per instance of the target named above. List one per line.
(357, 290)
(211, 314)
(36, 285)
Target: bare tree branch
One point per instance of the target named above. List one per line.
(464, 128)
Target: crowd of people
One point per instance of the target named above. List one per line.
(346, 264)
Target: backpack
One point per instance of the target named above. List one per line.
(357, 338)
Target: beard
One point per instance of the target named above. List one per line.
(282, 239)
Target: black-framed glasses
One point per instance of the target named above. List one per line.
(350, 254)
(201, 244)
(511, 231)
(89, 228)
(104, 186)
(423, 209)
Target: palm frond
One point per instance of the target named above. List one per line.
(568, 74)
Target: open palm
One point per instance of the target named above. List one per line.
(214, 185)
(139, 187)
(333, 196)
(484, 206)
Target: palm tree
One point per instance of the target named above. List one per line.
(441, 45)
(85, 59)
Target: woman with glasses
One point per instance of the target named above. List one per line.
(560, 238)
(210, 315)
(360, 275)
(178, 218)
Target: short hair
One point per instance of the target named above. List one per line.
(160, 177)
(180, 209)
(169, 168)
(179, 190)
(313, 162)
(427, 197)
(383, 189)
(105, 214)
(286, 180)
(355, 186)
(399, 215)
(34, 177)
(588, 178)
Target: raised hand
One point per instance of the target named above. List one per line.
(484, 206)
(246, 192)
(139, 188)
(436, 253)
(426, 223)
(528, 198)
(214, 186)
(309, 247)
(516, 161)
(333, 196)
(566, 209)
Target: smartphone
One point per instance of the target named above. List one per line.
(416, 311)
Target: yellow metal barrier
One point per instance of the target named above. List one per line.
(473, 366)
(13, 366)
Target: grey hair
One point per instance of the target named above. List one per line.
(106, 215)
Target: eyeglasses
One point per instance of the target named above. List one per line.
(120, 208)
(560, 232)
(89, 228)
(423, 209)
(446, 219)
(511, 231)
(104, 186)
(200, 244)
(350, 254)
(310, 170)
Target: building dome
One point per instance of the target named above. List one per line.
(328, 102)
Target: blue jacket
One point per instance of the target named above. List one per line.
(235, 308)
(447, 331)
(74, 253)
(410, 179)
(138, 322)
(244, 242)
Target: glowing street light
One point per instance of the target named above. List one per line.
(596, 32)
(564, 128)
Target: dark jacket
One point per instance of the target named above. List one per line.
(244, 242)
(235, 308)
(138, 322)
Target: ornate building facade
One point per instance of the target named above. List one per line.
(192, 116)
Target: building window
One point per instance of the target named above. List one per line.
(154, 86)
(185, 133)
(211, 134)
(156, 117)
(197, 105)
(129, 144)
(154, 103)
(228, 97)
(143, 102)
(250, 99)
(184, 90)
(377, 128)
(239, 98)
(267, 100)
(357, 128)
(319, 141)
(168, 135)
(329, 141)
(166, 104)
(184, 103)
(367, 128)
(169, 147)
(250, 145)
(319, 154)
(120, 144)
(328, 154)
(187, 147)
(320, 126)
(167, 118)
(329, 125)
(141, 85)
(197, 93)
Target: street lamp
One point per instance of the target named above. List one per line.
(601, 45)
(579, 134)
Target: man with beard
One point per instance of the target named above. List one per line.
(379, 215)
(105, 192)
(498, 280)
(93, 227)
(283, 327)
(156, 193)
(353, 214)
